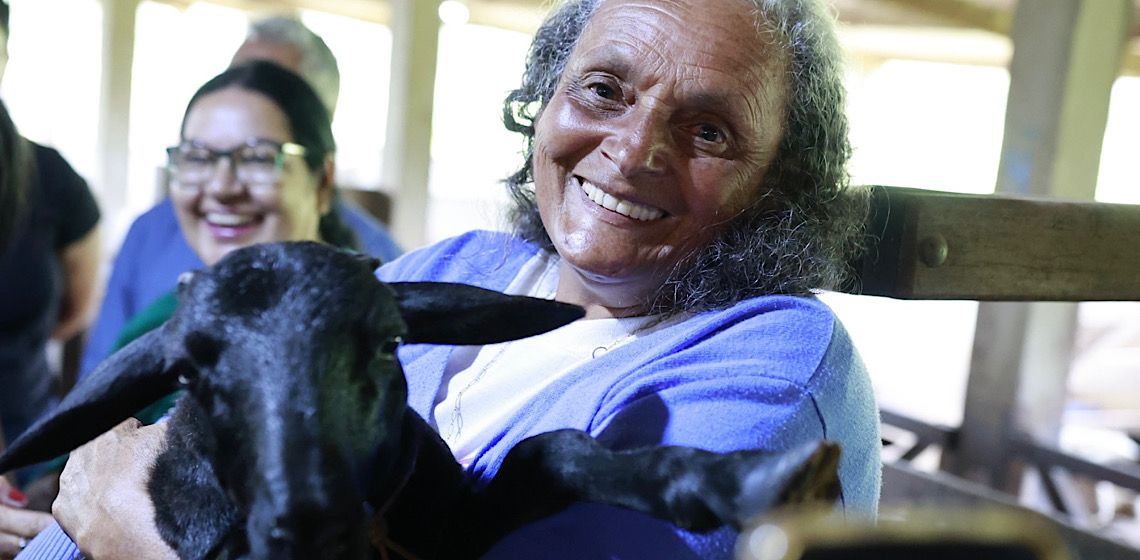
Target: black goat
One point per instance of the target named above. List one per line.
(294, 439)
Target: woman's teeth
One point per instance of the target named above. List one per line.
(624, 207)
(228, 220)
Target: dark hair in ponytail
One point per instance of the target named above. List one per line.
(14, 175)
(334, 231)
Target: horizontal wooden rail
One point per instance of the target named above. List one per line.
(937, 245)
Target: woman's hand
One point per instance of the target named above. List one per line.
(17, 525)
(103, 502)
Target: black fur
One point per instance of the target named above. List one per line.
(294, 430)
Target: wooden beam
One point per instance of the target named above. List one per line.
(937, 245)
(115, 98)
(953, 46)
(375, 11)
(917, 16)
(963, 13)
(518, 15)
(524, 17)
(407, 149)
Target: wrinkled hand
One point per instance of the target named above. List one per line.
(17, 525)
(103, 502)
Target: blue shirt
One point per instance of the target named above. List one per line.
(154, 253)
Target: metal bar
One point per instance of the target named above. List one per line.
(1051, 490)
(930, 434)
(914, 451)
(1044, 457)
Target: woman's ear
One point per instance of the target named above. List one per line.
(327, 184)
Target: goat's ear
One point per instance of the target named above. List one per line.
(121, 386)
(447, 313)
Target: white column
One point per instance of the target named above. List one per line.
(407, 152)
(115, 100)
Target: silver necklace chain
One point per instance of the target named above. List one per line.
(601, 350)
(455, 427)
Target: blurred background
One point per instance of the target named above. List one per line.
(106, 81)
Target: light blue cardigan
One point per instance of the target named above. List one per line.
(767, 373)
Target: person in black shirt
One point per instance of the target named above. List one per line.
(49, 260)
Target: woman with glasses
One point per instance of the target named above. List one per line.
(254, 165)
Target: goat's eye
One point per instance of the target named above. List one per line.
(389, 346)
(187, 376)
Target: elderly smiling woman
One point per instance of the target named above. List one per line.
(685, 183)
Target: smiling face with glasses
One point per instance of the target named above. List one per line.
(237, 178)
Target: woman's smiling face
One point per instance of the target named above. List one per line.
(224, 213)
(660, 131)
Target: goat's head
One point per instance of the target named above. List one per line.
(287, 351)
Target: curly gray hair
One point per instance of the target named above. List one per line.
(806, 226)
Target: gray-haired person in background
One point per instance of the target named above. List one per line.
(289, 43)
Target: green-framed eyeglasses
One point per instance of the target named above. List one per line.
(257, 162)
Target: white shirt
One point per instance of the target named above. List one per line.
(483, 386)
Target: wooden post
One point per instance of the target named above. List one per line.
(115, 99)
(407, 150)
(1067, 54)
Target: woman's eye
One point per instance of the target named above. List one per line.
(196, 158)
(604, 91)
(710, 133)
(259, 157)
